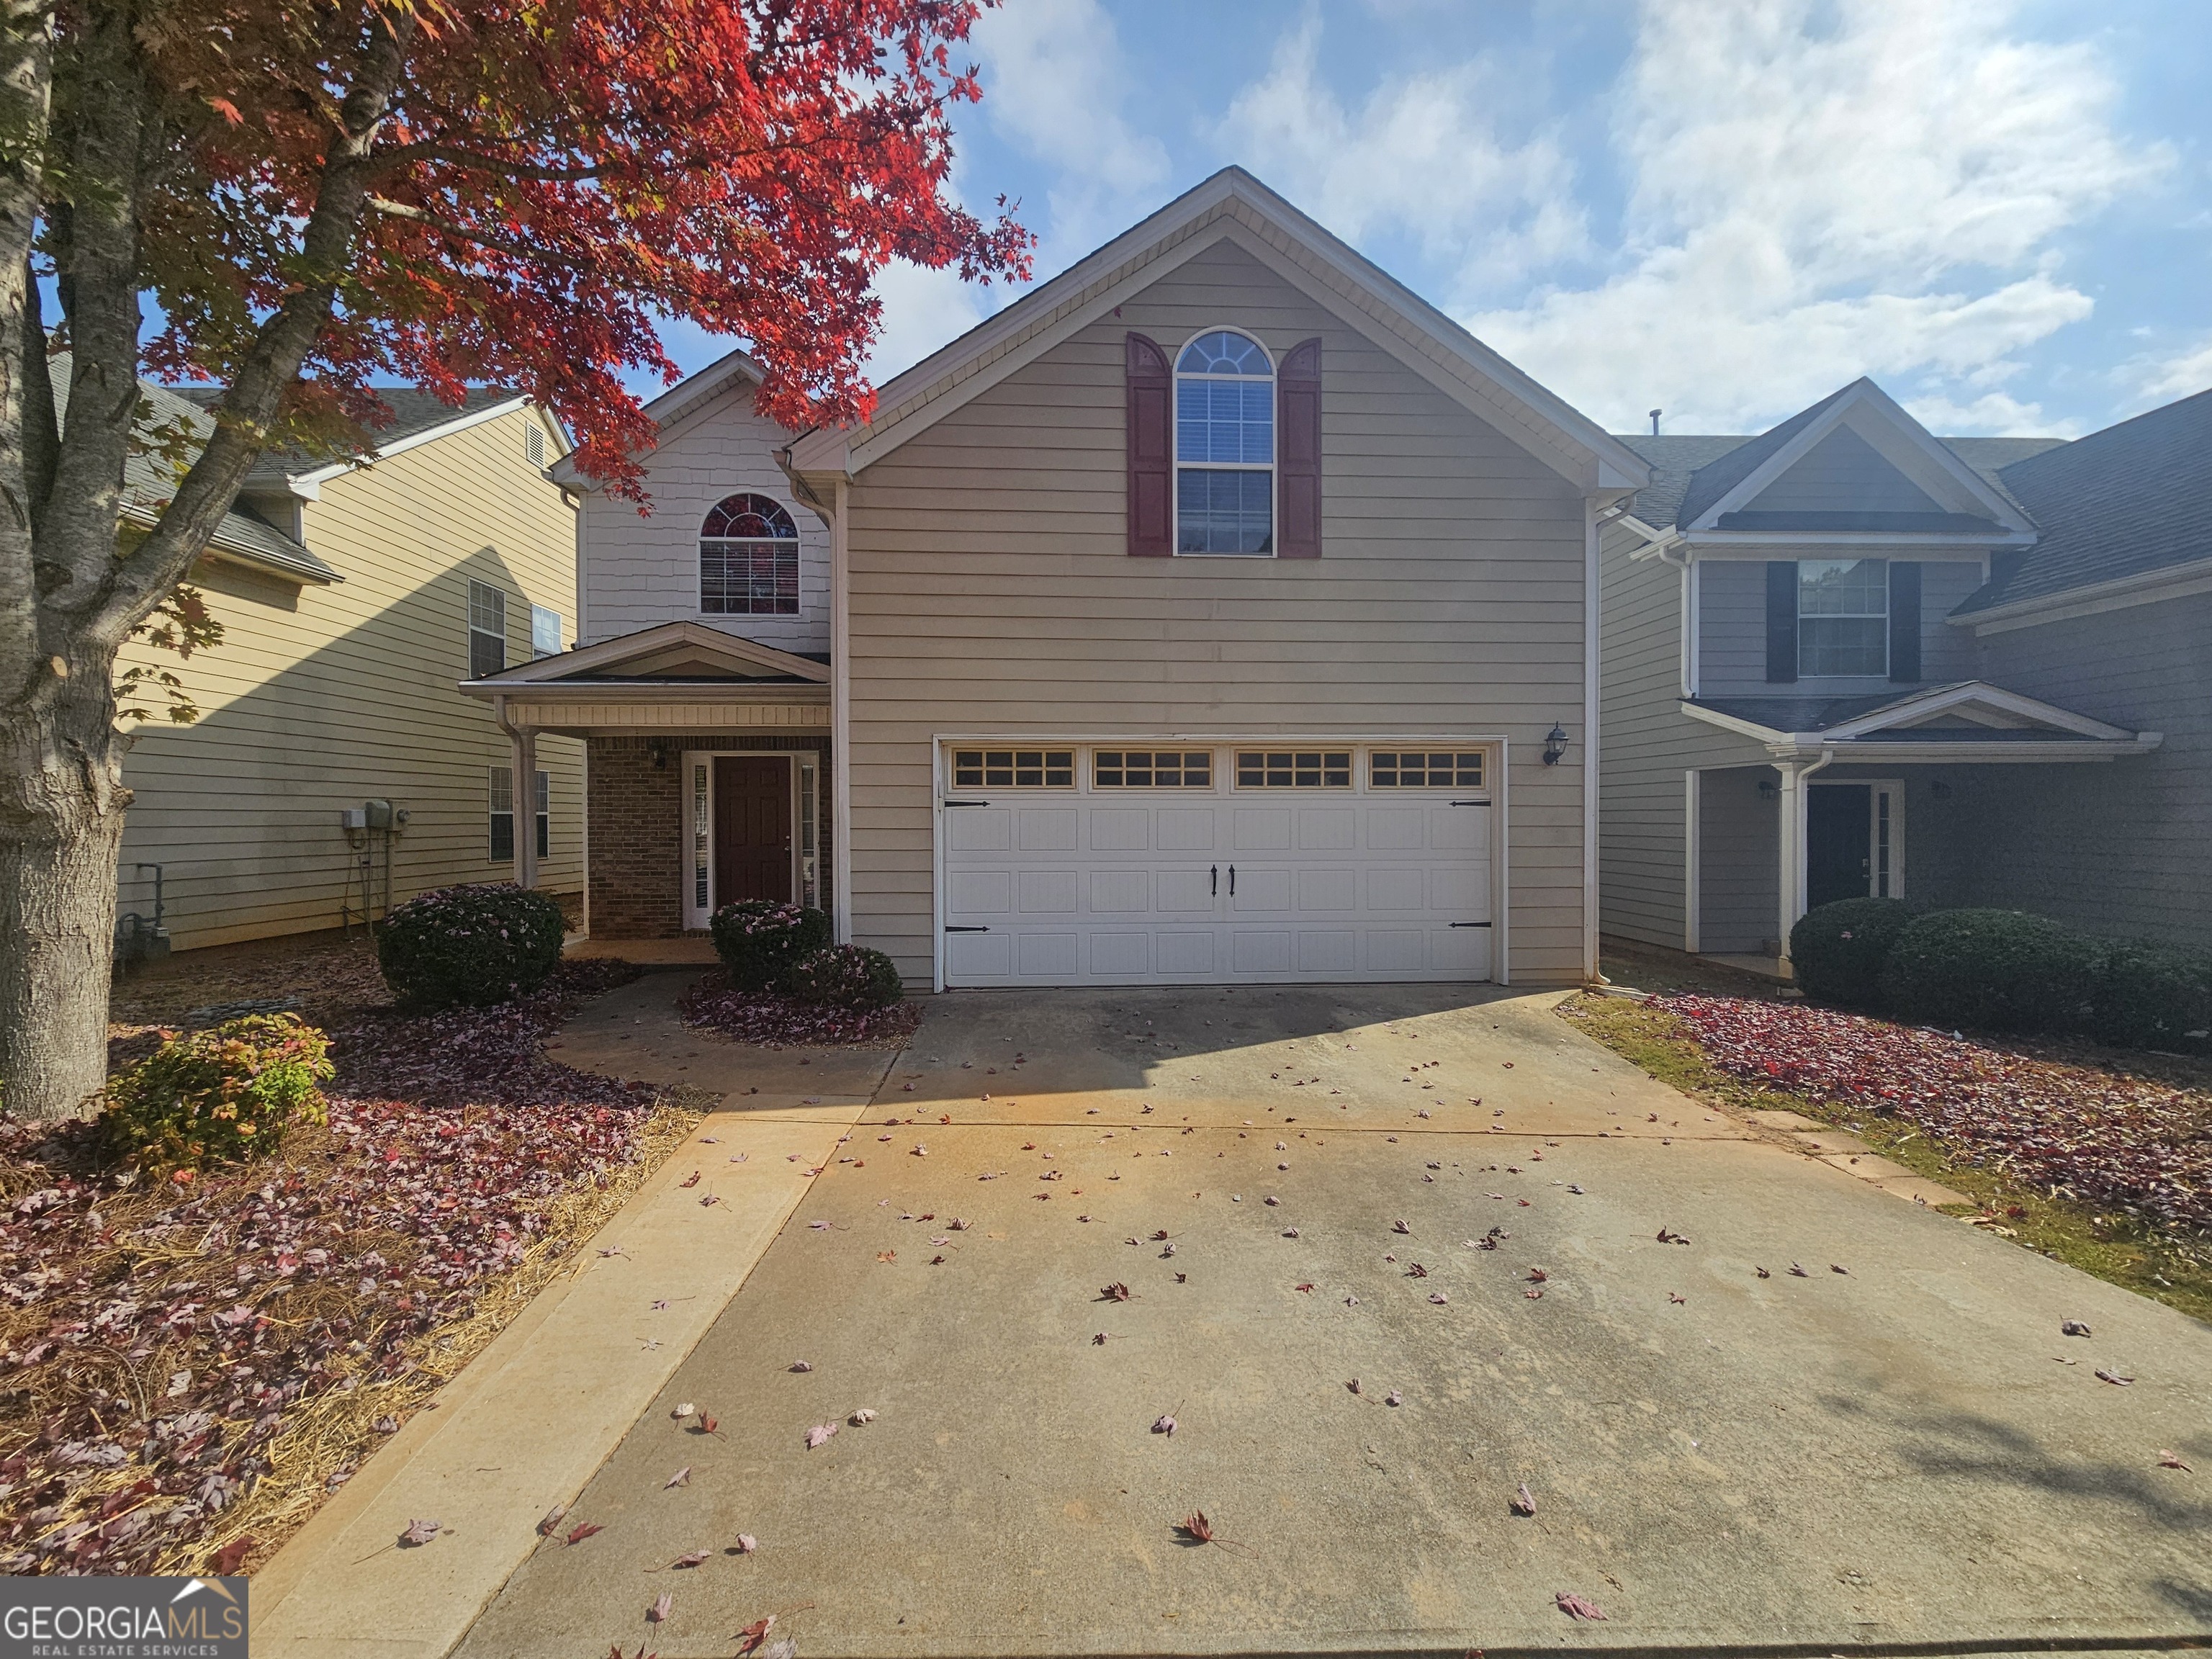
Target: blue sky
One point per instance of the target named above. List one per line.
(2000, 209)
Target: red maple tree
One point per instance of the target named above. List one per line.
(321, 196)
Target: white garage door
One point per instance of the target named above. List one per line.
(1347, 880)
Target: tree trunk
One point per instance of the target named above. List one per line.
(61, 830)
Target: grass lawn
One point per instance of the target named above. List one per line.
(2144, 1252)
(187, 1370)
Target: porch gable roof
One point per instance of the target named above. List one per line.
(1968, 719)
(674, 652)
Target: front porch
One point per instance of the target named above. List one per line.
(707, 763)
(1887, 801)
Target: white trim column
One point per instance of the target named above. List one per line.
(525, 740)
(1694, 898)
(1792, 837)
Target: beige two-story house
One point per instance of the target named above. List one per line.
(1219, 612)
(333, 769)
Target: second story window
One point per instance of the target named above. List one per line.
(487, 629)
(749, 559)
(1843, 618)
(1225, 422)
(544, 632)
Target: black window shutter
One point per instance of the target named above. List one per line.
(1781, 622)
(1903, 620)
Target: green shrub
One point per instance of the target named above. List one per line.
(1999, 971)
(846, 976)
(2149, 996)
(1838, 950)
(760, 940)
(470, 947)
(217, 1096)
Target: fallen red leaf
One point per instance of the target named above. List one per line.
(1575, 1607)
(584, 1531)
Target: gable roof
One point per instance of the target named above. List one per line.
(731, 370)
(2120, 502)
(1967, 718)
(149, 480)
(416, 416)
(1232, 205)
(672, 652)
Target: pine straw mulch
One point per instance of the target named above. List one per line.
(768, 1019)
(2129, 1134)
(186, 1372)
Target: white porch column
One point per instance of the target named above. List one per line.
(1792, 838)
(524, 742)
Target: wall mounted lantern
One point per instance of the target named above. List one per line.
(1555, 745)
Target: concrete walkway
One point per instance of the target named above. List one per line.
(1904, 1456)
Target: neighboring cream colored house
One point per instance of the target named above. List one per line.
(352, 595)
(1219, 612)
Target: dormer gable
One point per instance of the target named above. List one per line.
(1853, 466)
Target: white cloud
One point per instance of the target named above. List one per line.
(1419, 158)
(1822, 189)
(922, 310)
(2159, 379)
(1053, 83)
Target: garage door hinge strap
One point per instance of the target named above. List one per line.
(1470, 924)
(985, 930)
(967, 802)
(1454, 803)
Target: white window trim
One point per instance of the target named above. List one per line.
(1494, 794)
(699, 536)
(802, 763)
(505, 623)
(1272, 468)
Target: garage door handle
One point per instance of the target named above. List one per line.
(1213, 880)
(1470, 924)
(967, 802)
(1232, 881)
(966, 930)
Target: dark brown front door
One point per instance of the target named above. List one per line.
(752, 829)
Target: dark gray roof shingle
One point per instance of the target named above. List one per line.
(413, 412)
(2119, 503)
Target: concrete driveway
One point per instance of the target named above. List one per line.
(1905, 1454)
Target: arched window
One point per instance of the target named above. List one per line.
(749, 559)
(1224, 446)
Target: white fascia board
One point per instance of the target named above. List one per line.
(1810, 745)
(1864, 394)
(1743, 728)
(1902, 714)
(628, 647)
(554, 692)
(2173, 581)
(401, 446)
(1875, 543)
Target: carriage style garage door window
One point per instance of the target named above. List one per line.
(1182, 863)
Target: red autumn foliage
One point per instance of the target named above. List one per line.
(2117, 1142)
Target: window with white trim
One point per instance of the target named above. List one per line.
(544, 632)
(1843, 617)
(487, 629)
(1013, 768)
(748, 559)
(1425, 769)
(502, 814)
(1153, 768)
(1294, 768)
(1225, 388)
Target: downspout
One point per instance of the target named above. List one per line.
(1593, 725)
(840, 710)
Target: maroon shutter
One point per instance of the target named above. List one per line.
(1297, 452)
(1151, 492)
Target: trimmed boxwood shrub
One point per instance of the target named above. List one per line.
(217, 1096)
(1838, 950)
(2150, 996)
(846, 976)
(2000, 970)
(760, 940)
(472, 946)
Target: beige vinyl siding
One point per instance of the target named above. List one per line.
(2116, 848)
(1732, 632)
(641, 570)
(991, 592)
(1843, 473)
(1648, 744)
(320, 697)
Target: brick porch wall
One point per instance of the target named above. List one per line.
(636, 811)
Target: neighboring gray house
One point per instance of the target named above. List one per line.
(1846, 657)
(1219, 612)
